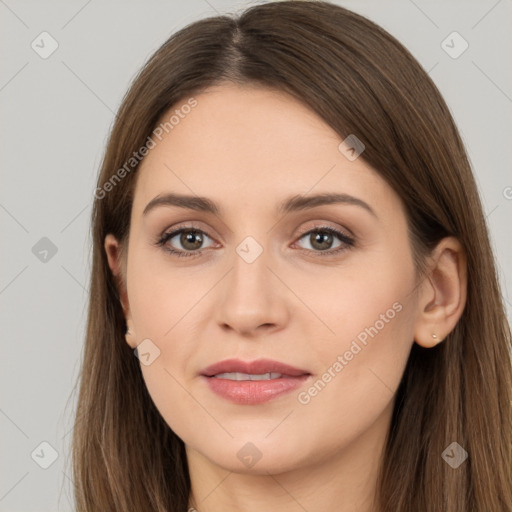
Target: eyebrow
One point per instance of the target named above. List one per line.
(294, 203)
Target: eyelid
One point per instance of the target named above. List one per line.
(324, 225)
(188, 226)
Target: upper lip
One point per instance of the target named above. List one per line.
(257, 367)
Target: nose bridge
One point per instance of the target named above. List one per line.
(249, 282)
(251, 297)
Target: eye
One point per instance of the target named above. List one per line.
(190, 239)
(321, 239)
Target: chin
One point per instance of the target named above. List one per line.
(258, 456)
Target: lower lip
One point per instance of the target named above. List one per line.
(253, 391)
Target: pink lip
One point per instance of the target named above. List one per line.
(253, 392)
(254, 367)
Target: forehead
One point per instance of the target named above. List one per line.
(250, 142)
(239, 124)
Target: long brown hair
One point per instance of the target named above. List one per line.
(359, 80)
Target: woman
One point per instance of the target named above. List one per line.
(294, 303)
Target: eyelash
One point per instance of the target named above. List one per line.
(347, 241)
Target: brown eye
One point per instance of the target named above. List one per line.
(191, 240)
(322, 240)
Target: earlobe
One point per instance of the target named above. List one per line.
(130, 335)
(442, 297)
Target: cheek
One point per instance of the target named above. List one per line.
(163, 314)
(167, 307)
(171, 394)
(367, 300)
(163, 297)
(360, 369)
(370, 314)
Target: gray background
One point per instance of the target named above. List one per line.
(55, 118)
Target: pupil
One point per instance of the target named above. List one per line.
(188, 238)
(322, 237)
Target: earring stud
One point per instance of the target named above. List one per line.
(434, 336)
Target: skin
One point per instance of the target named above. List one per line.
(247, 149)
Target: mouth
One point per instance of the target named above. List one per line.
(247, 376)
(262, 369)
(252, 382)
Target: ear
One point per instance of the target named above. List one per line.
(442, 296)
(117, 265)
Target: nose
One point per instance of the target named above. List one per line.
(251, 299)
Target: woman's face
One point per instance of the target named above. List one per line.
(256, 281)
